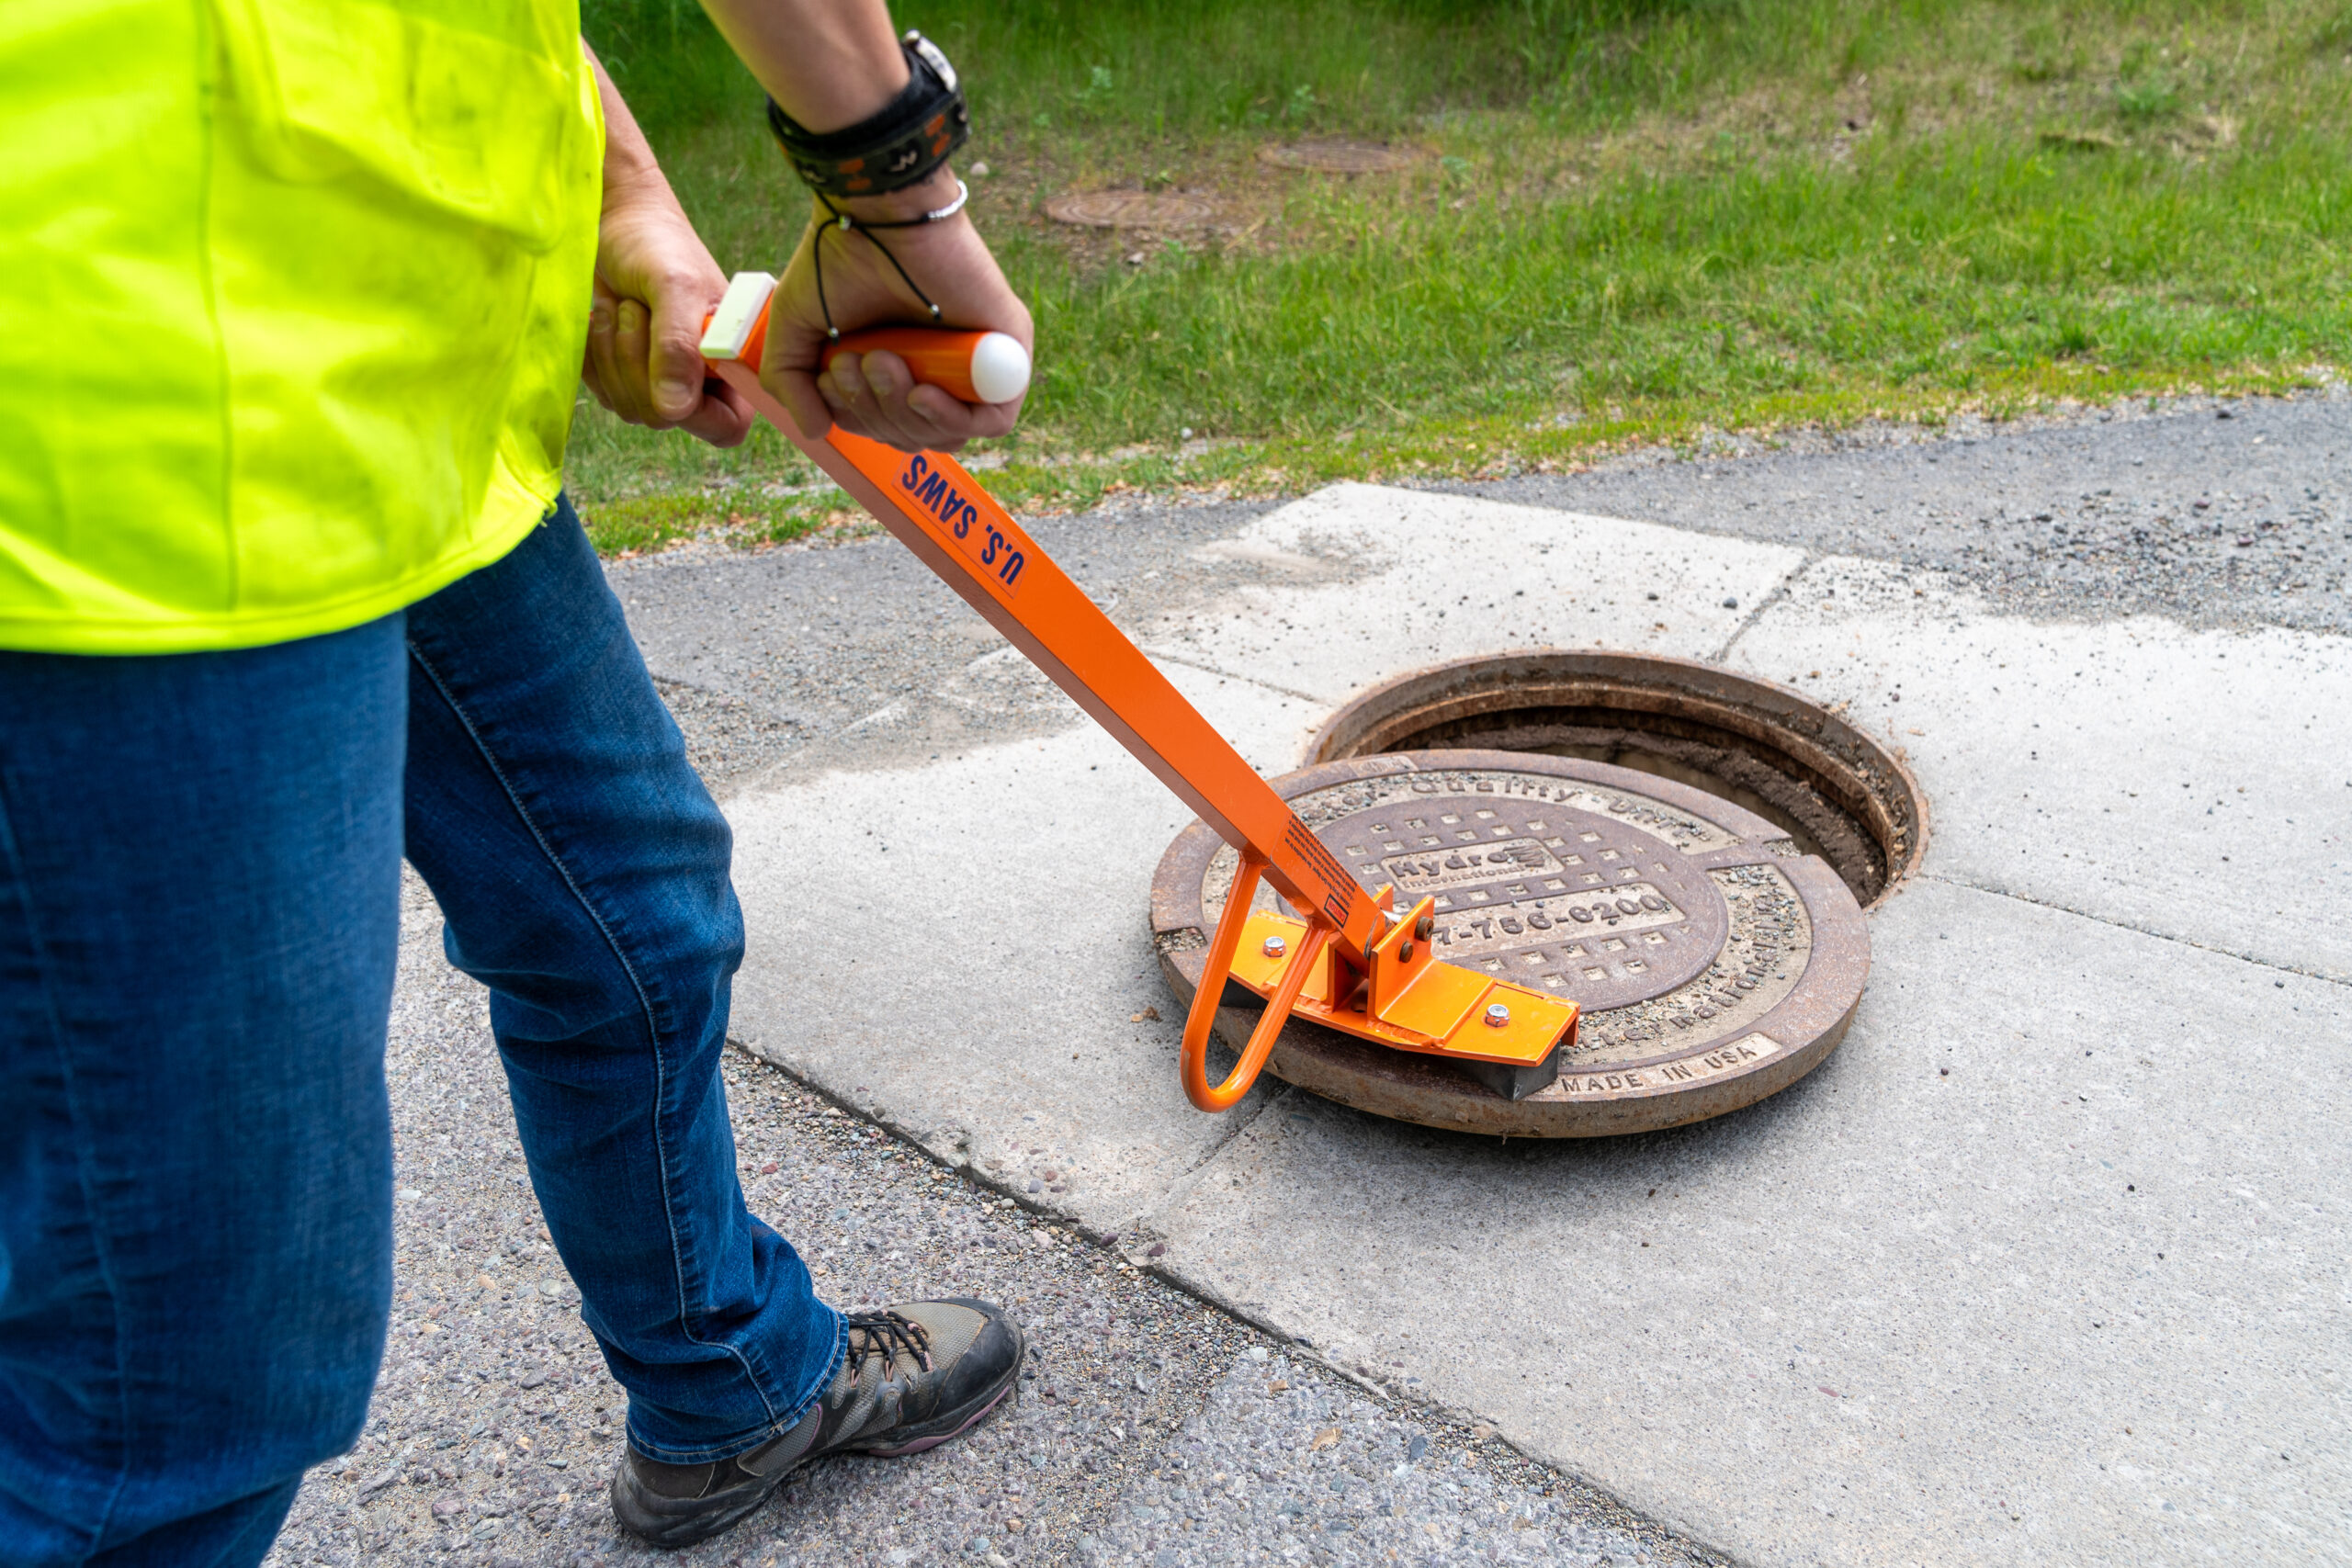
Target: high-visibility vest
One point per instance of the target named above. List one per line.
(292, 300)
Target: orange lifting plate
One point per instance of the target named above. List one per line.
(1439, 1009)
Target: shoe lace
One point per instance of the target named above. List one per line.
(889, 1335)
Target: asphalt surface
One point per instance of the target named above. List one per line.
(854, 654)
(1150, 1429)
(2213, 514)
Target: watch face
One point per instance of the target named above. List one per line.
(933, 57)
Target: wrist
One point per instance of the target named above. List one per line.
(936, 190)
(854, 99)
(634, 181)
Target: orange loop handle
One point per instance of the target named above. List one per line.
(1202, 1020)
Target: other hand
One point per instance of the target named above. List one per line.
(655, 285)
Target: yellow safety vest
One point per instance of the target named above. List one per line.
(292, 300)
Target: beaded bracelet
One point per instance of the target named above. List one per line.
(846, 223)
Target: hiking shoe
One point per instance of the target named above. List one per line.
(912, 1376)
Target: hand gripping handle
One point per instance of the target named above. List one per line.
(970, 366)
(1201, 1021)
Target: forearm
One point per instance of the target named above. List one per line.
(655, 282)
(631, 172)
(830, 63)
(834, 66)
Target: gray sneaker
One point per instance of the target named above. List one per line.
(914, 1376)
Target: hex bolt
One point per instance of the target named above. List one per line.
(1274, 947)
(1421, 927)
(1497, 1015)
(1405, 951)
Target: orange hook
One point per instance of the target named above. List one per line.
(1202, 1020)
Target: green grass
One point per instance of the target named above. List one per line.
(1631, 222)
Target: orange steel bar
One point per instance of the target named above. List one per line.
(938, 357)
(940, 512)
(1348, 964)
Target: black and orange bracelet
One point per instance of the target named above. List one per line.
(897, 146)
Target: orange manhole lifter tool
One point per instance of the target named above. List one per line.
(1352, 963)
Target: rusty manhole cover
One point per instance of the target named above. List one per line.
(1132, 209)
(1339, 157)
(1716, 962)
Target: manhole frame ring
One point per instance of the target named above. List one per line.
(1764, 713)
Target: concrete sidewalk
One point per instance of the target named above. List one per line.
(2047, 1261)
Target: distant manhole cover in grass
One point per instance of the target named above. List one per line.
(1339, 157)
(1132, 209)
(1681, 851)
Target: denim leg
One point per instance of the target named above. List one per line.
(199, 910)
(582, 868)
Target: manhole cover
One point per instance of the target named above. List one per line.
(1339, 157)
(1716, 962)
(1132, 209)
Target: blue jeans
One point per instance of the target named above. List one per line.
(199, 893)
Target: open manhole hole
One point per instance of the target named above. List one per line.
(1132, 209)
(1836, 792)
(1683, 852)
(1339, 157)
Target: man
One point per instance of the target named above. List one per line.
(298, 295)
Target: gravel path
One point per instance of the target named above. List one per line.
(1150, 1429)
(2233, 513)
